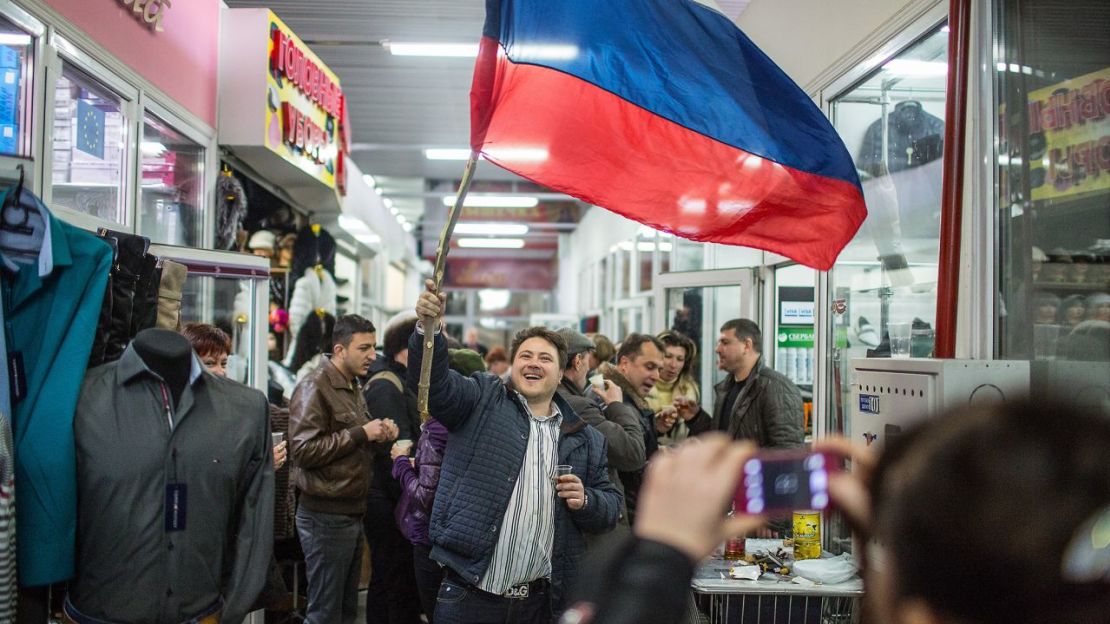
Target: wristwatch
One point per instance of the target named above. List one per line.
(585, 499)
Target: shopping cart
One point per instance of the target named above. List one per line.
(728, 601)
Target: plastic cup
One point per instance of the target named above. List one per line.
(406, 445)
(562, 470)
(899, 340)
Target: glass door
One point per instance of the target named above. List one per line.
(696, 304)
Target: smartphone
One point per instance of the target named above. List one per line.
(276, 438)
(778, 482)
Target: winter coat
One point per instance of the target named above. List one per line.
(489, 428)
(312, 291)
(622, 429)
(387, 397)
(632, 479)
(419, 482)
(768, 410)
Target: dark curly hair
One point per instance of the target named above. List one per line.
(540, 332)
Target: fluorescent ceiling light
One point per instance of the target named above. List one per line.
(909, 67)
(406, 226)
(396, 211)
(436, 153)
(369, 180)
(15, 39)
(453, 50)
(495, 201)
(515, 154)
(492, 243)
(388, 202)
(152, 148)
(492, 229)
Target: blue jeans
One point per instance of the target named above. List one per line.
(460, 603)
(332, 545)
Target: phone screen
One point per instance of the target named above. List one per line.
(777, 482)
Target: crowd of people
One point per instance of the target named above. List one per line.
(566, 447)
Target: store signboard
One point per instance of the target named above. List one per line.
(304, 106)
(508, 273)
(149, 12)
(1071, 121)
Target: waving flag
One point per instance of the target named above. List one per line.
(664, 112)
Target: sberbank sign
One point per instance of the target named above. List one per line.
(796, 337)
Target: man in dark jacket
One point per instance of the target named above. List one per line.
(755, 402)
(639, 362)
(509, 534)
(392, 597)
(330, 434)
(603, 408)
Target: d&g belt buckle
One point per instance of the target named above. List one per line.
(517, 591)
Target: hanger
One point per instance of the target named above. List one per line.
(14, 215)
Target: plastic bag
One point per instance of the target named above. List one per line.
(827, 571)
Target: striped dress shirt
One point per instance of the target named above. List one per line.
(523, 549)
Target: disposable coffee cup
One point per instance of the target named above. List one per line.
(598, 381)
(276, 438)
(405, 445)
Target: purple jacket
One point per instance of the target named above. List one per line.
(418, 485)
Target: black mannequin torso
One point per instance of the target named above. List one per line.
(169, 354)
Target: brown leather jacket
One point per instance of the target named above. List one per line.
(330, 451)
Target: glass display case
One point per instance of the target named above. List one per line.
(90, 146)
(1053, 203)
(892, 120)
(231, 291)
(171, 192)
(16, 76)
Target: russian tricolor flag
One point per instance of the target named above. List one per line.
(664, 112)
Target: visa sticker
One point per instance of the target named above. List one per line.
(869, 403)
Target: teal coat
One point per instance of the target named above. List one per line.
(51, 307)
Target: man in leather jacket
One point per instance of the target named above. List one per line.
(330, 435)
(754, 402)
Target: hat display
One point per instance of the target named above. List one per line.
(576, 342)
(262, 239)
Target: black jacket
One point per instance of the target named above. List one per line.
(386, 400)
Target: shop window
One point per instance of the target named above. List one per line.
(688, 255)
(89, 147)
(1051, 72)
(16, 74)
(892, 121)
(172, 185)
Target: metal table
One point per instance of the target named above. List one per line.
(772, 601)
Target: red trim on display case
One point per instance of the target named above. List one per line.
(948, 278)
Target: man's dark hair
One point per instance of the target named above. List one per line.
(1012, 484)
(540, 332)
(347, 326)
(633, 346)
(745, 329)
(397, 337)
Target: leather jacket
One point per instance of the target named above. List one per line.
(331, 454)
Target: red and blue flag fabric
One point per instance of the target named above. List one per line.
(663, 111)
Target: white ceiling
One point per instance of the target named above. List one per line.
(400, 105)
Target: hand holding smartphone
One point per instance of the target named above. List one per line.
(778, 482)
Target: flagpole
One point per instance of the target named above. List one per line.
(427, 322)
